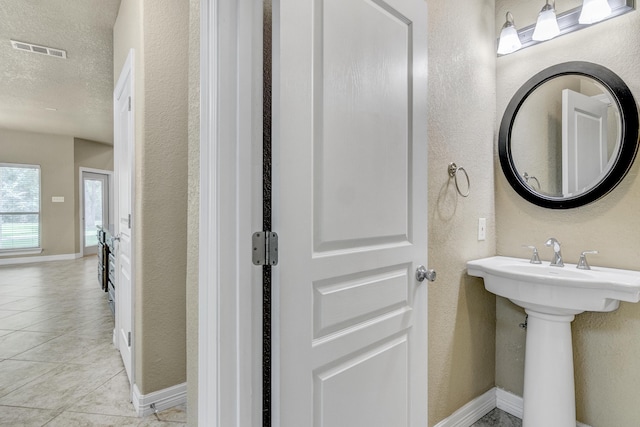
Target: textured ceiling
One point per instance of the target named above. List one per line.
(80, 87)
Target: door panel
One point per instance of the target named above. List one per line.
(350, 209)
(584, 141)
(123, 151)
(347, 394)
(372, 293)
(363, 95)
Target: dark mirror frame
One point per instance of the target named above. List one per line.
(628, 136)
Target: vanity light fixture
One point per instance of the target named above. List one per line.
(594, 11)
(509, 40)
(547, 25)
(569, 21)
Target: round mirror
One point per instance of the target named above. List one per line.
(569, 135)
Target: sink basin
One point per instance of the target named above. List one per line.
(556, 290)
(552, 297)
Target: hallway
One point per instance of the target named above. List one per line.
(58, 366)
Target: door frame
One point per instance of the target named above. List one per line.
(128, 69)
(81, 199)
(230, 287)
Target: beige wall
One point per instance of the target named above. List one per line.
(194, 206)
(60, 158)
(158, 31)
(606, 345)
(88, 154)
(54, 154)
(461, 130)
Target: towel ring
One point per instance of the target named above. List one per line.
(453, 173)
(528, 178)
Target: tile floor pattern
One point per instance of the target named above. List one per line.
(58, 366)
(498, 418)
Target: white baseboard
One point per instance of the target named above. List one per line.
(482, 405)
(514, 404)
(471, 412)
(161, 399)
(31, 259)
(509, 402)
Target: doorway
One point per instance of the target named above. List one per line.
(124, 140)
(326, 250)
(94, 207)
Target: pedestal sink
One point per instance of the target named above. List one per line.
(552, 296)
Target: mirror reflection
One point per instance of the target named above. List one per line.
(566, 136)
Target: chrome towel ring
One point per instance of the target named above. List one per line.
(453, 173)
(531, 178)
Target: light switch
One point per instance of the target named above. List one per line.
(57, 199)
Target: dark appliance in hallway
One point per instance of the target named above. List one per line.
(107, 266)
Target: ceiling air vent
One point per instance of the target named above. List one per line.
(43, 50)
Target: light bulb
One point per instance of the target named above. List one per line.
(594, 11)
(547, 25)
(509, 39)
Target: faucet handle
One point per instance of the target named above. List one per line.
(582, 263)
(535, 258)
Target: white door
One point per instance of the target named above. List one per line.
(94, 209)
(350, 208)
(124, 179)
(584, 141)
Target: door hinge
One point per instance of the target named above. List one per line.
(265, 248)
(129, 103)
(129, 221)
(129, 339)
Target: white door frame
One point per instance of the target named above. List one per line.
(230, 298)
(81, 199)
(127, 68)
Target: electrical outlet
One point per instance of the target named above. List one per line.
(482, 229)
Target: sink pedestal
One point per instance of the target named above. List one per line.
(552, 297)
(549, 392)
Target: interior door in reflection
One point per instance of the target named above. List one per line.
(584, 141)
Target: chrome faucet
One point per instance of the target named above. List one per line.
(557, 255)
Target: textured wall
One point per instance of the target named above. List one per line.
(461, 130)
(60, 158)
(606, 345)
(163, 211)
(88, 154)
(158, 30)
(54, 154)
(193, 208)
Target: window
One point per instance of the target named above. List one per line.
(19, 207)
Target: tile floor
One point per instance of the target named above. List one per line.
(58, 366)
(498, 418)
